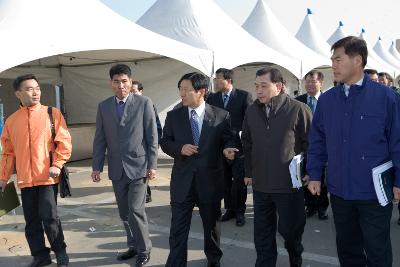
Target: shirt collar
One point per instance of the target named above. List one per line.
(227, 93)
(123, 100)
(316, 96)
(199, 110)
(359, 83)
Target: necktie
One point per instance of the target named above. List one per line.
(226, 100)
(194, 123)
(311, 103)
(120, 109)
(268, 110)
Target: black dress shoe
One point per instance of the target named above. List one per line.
(40, 261)
(228, 215)
(216, 264)
(240, 220)
(148, 198)
(142, 259)
(62, 258)
(310, 212)
(130, 253)
(322, 215)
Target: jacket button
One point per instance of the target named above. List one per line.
(362, 157)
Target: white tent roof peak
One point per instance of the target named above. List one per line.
(384, 54)
(265, 26)
(375, 61)
(337, 34)
(393, 50)
(203, 23)
(309, 35)
(90, 29)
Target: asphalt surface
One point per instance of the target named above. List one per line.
(94, 233)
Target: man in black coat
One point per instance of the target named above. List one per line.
(235, 101)
(196, 135)
(314, 203)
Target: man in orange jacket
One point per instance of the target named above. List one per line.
(27, 142)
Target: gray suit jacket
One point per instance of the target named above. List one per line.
(132, 143)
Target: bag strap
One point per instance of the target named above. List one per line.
(53, 131)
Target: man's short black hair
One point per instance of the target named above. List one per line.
(320, 75)
(386, 75)
(20, 79)
(139, 85)
(353, 46)
(199, 81)
(371, 71)
(185, 77)
(275, 74)
(120, 69)
(226, 73)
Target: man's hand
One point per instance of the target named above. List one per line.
(96, 176)
(306, 179)
(54, 172)
(188, 150)
(229, 152)
(3, 185)
(151, 174)
(248, 181)
(396, 193)
(314, 187)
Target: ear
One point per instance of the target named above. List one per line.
(279, 86)
(18, 94)
(358, 60)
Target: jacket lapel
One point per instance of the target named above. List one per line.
(231, 99)
(129, 102)
(113, 107)
(208, 121)
(186, 128)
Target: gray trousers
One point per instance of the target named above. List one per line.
(131, 196)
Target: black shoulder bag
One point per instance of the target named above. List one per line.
(64, 185)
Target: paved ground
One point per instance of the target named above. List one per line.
(94, 233)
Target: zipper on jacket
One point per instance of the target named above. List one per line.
(29, 136)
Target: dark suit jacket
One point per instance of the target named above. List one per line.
(204, 168)
(302, 98)
(131, 143)
(238, 102)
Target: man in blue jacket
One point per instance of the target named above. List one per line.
(357, 127)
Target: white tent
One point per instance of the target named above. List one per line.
(337, 34)
(36, 29)
(384, 54)
(393, 50)
(309, 35)
(264, 25)
(373, 56)
(203, 23)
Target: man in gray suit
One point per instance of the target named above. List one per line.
(126, 127)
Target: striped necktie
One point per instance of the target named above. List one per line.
(194, 123)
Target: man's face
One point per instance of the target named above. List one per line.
(189, 96)
(135, 90)
(383, 80)
(313, 85)
(121, 85)
(29, 93)
(221, 84)
(345, 68)
(373, 77)
(265, 89)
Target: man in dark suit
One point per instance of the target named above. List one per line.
(235, 101)
(126, 127)
(314, 203)
(195, 135)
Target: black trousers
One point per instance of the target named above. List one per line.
(39, 204)
(362, 232)
(180, 226)
(290, 209)
(235, 191)
(315, 202)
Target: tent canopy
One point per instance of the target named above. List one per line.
(204, 24)
(265, 26)
(384, 54)
(309, 35)
(394, 52)
(94, 27)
